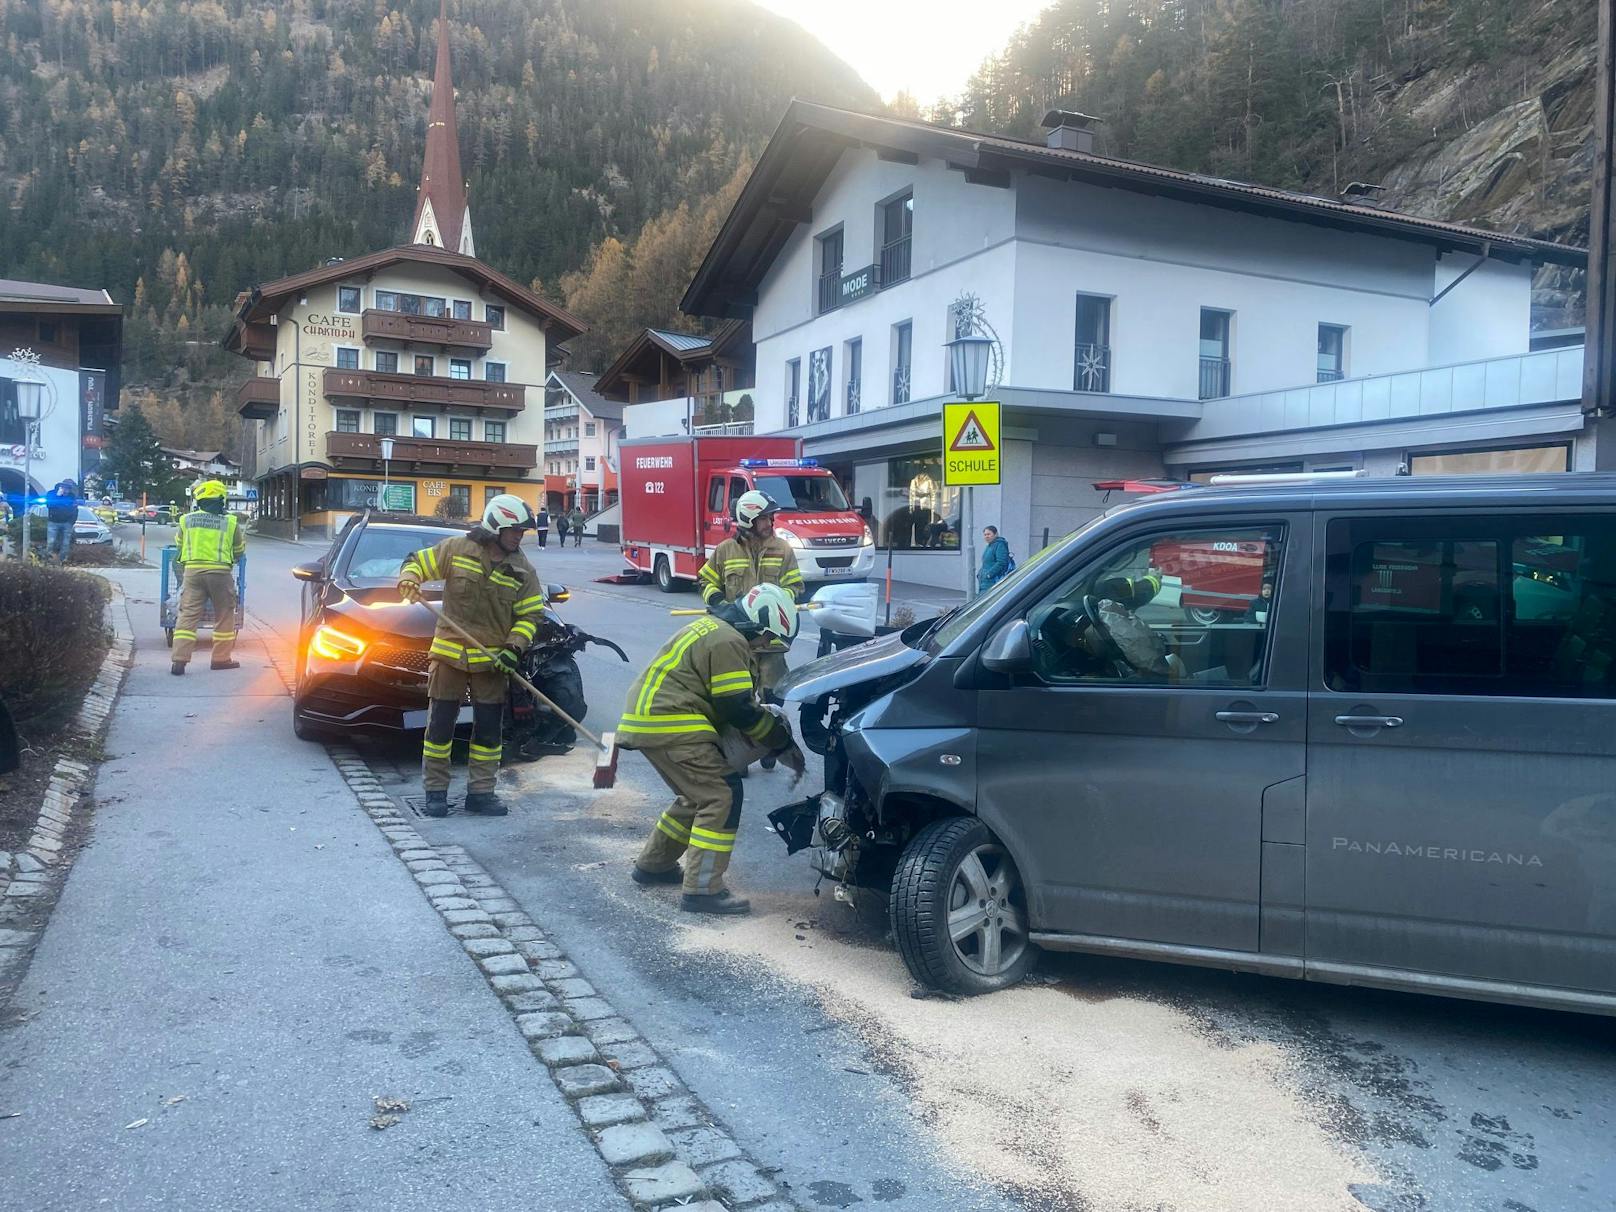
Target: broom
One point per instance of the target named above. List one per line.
(605, 762)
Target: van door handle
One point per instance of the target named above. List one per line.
(1369, 721)
(1248, 717)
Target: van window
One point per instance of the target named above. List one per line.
(1520, 607)
(803, 494)
(715, 495)
(1186, 608)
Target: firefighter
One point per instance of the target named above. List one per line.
(699, 683)
(491, 590)
(210, 542)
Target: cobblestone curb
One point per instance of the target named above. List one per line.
(29, 878)
(665, 1149)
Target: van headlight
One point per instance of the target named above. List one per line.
(790, 536)
(869, 537)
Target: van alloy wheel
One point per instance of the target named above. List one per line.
(985, 922)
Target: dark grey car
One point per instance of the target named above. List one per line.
(1360, 732)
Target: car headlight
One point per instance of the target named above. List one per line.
(789, 535)
(336, 645)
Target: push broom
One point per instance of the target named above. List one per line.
(605, 761)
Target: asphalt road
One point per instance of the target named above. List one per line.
(1108, 1084)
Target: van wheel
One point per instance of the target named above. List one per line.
(664, 576)
(1204, 616)
(959, 911)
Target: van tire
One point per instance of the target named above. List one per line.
(663, 576)
(935, 872)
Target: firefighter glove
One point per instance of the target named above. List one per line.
(506, 659)
(409, 591)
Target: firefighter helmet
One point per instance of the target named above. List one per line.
(210, 490)
(770, 610)
(750, 506)
(506, 510)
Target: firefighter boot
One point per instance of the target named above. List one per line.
(177, 668)
(437, 804)
(723, 903)
(485, 803)
(673, 875)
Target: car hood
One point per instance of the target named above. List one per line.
(379, 612)
(868, 662)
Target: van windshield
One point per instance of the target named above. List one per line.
(804, 494)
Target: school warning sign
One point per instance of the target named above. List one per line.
(971, 443)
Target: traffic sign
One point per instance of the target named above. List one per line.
(971, 447)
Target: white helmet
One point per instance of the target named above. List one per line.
(771, 610)
(750, 506)
(505, 510)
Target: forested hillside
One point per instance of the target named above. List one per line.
(176, 151)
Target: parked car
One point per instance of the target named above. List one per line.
(89, 528)
(1394, 771)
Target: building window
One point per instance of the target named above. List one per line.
(830, 268)
(897, 230)
(495, 316)
(424, 365)
(493, 431)
(459, 429)
(1518, 460)
(855, 375)
(589, 462)
(462, 309)
(494, 372)
(348, 299)
(347, 359)
(903, 343)
(49, 330)
(1091, 367)
(422, 427)
(386, 362)
(1332, 352)
(793, 388)
(490, 491)
(460, 500)
(459, 368)
(411, 305)
(384, 423)
(819, 385)
(907, 503)
(1214, 353)
(347, 420)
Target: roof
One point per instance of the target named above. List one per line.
(16, 295)
(580, 384)
(692, 351)
(198, 456)
(811, 138)
(682, 341)
(267, 299)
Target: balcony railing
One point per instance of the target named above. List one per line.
(430, 330)
(900, 385)
(792, 412)
(855, 395)
(830, 290)
(380, 387)
(363, 452)
(259, 398)
(895, 262)
(1092, 367)
(1214, 378)
(1330, 376)
(560, 445)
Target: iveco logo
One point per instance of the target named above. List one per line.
(1443, 854)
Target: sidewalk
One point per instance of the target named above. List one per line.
(238, 963)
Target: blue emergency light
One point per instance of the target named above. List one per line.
(779, 462)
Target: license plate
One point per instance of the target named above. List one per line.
(417, 719)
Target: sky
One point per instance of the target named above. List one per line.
(929, 47)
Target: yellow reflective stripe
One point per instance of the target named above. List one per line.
(715, 847)
(648, 726)
(184, 635)
(739, 675)
(478, 658)
(447, 648)
(760, 729)
(731, 685)
(530, 605)
(736, 565)
(716, 835)
(223, 635)
(499, 578)
(659, 670)
(678, 837)
(467, 564)
(523, 628)
(772, 560)
(676, 827)
(434, 749)
(708, 573)
(480, 753)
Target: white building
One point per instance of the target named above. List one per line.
(1148, 322)
(581, 431)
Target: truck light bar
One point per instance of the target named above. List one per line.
(779, 462)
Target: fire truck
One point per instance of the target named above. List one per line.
(678, 497)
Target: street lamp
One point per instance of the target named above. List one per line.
(968, 357)
(30, 403)
(387, 457)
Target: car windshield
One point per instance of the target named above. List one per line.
(86, 514)
(379, 551)
(804, 494)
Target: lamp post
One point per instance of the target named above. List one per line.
(387, 458)
(969, 354)
(30, 405)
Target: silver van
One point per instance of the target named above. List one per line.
(1361, 732)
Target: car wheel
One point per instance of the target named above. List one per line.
(664, 576)
(959, 911)
(1204, 616)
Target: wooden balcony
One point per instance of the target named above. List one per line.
(431, 330)
(256, 341)
(433, 456)
(380, 389)
(259, 398)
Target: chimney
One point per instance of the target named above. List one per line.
(1068, 130)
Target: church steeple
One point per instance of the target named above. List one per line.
(441, 215)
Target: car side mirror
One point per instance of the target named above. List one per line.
(556, 593)
(308, 572)
(1009, 649)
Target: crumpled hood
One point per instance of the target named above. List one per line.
(378, 612)
(868, 662)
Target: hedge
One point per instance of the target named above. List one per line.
(53, 635)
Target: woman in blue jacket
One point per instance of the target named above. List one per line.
(996, 563)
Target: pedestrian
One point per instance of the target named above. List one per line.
(700, 682)
(210, 542)
(996, 562)
(563, 524)
(5, 524)
(492, 591)
(542, 525)
(61, 512)
(578, 521)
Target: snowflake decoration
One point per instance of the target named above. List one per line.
(970, 316)
(1092, 367)
(900, 385)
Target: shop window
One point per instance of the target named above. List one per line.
(347, 420)
(493, 431)
(1520, 460)
(386, 362)
(909, 506)
(459, 429)
(460, 500)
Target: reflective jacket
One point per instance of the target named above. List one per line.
(494, 595)
(210, 542)
(741, 563)
(701, 679)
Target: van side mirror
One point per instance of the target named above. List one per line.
(729, 524)
(308, 572)
(1009, 649)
